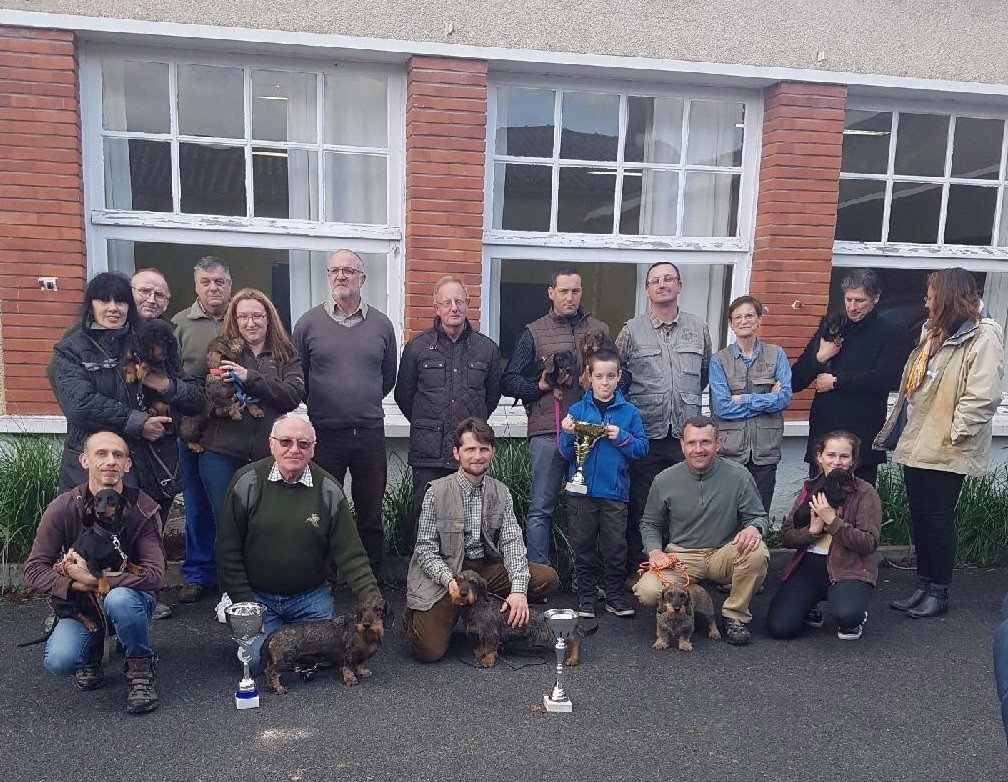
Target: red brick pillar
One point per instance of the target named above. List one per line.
(446, 114)
(796, 212)
(41, 208)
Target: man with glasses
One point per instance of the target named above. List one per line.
(667, 352)
(303, 526)
(348, 351)
(447, 373)
(150, 291)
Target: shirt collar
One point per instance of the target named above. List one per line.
(305, 478)
(658, 322)
(737, 351)
(467, 488)
(336, 312)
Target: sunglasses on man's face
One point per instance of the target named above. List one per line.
(289, 442)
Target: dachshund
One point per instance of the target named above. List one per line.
(676, 615)
(837, 486)
(831, 327)
(153, 349)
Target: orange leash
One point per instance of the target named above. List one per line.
(675, 564)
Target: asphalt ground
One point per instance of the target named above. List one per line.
(912, 700)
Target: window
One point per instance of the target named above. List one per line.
(922, 178)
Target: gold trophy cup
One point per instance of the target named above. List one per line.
(585, 437)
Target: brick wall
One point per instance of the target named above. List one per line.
(446, 109)
(41, 207)
(796, 213)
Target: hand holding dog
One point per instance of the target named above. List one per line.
(824, 382)
(822, 509)
(240, 372)
(74, 567)
(156, 381)
(543, 385)
(747, 539)
(154, 427)
(659, 559)
(827, 349)
(517, 604)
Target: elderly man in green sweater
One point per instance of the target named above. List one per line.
(715, 524)
(282, 521)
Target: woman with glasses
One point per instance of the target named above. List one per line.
(268, 374)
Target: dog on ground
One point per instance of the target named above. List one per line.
(345, 641)
(678, 606)
(153, 350)
(482, 621)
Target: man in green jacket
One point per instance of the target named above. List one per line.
(712, 515)
(282, 521)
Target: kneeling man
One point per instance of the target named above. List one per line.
(54, 568)
(467, 522)
(715, 523)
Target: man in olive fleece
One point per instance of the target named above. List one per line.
(282, 521)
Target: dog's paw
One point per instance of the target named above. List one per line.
(685, 645)
(255, 411)
(488, 660)
(713, 632)
(363, 672)
(348, 677)
(660, 644)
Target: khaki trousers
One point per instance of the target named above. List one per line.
(744, 573)
(428, 632)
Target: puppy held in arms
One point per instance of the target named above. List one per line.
(678, 606)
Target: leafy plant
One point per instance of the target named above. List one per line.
(29, 476)
(895, 510)
(397, 508)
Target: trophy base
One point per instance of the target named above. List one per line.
(246, 700)
(576, 488)
(557, 707)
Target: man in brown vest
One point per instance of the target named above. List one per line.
(564, 327)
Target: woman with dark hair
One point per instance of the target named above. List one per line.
(940, 429)
(834, 525)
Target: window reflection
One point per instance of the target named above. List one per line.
(525, 122)
(590, 126)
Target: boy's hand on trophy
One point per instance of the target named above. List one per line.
(567, 424)
(611, 431)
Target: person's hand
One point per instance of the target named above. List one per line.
(824, 382)
(659, 559)
(156, 382)
(815, 526)
(567, 424)
(828, 349)
(154, 427)
(543, 385)
(517, 606)
(747, 539)
(775, 388)
(585, 380)
(240, 372)
(822, 509)
(736, 398)
(453, 592)
(611, 431)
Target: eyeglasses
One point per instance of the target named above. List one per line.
(345, 271)
(459, 303)
(746, 316)
(289, 442)
(668, 279)
(254, 318)
(146, 293)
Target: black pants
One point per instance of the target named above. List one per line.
(362, 452)
(421, 477)
(765, 476)
(809, 584)
(592, 524)
(662, 454)
(932, 496)
(866, 472)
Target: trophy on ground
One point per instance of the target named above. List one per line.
(585, 437)
(561, 622)
(246, 622)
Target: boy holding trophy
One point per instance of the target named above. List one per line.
(601, 433)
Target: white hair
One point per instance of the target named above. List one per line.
(285, 416)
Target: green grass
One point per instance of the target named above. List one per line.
(29, 476)
(397, 508)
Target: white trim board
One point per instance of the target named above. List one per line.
(259, 41)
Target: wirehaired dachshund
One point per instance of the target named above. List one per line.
(677, 609)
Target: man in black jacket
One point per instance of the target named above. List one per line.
(447, 373)
(853, 375)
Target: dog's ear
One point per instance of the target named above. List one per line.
(663, 600)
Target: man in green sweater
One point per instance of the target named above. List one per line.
(715, 524)
(282, 521)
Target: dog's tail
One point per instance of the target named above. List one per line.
(40, 640)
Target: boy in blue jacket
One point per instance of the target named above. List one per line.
(598, 519)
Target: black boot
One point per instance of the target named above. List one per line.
(913, 600)
(935, 602)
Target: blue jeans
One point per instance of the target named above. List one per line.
(548, 469)
(312, 605)
(215, 473)
(1001, 663)
(201, 526)
(71, 646)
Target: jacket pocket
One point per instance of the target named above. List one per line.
(425, 439)
(476, 373)
(433, 373)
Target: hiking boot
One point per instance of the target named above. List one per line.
(192, 593)
(814, 618)
(89, 676)
(737, 633)
(619, 607)
(142, 697)
(853, 634)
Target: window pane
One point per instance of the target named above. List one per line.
(859, 210)
(283, 106)
(285, 183)
(976, 151)
(135, 96)
(212, 179)
(649, 202)
(913, 215)
(590, 126)
(715, 133)
(210, 101)
(356, 189)
(969, 217)
(921, 141)
(711, 204)
(356, 111)
(138, 175)
(585, 200)
(522, 197)
(866, 142)
(654, 130)
(525, 122)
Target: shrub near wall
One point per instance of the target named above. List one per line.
(29, 476)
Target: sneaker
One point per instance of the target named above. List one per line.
(619, 607)
(737, 633)
(586, 611)
(814, 618)
(853, 634)
(89, 677)
(161, 611)
(192, 593)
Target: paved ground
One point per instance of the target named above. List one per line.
(913, 700)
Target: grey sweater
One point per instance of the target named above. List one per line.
(347, 371)
(701, 510)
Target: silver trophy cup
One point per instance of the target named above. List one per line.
(246, 622)
(561, 622)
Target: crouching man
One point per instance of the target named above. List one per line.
(76, 645)
(467, 522)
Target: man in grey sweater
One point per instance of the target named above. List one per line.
(714, 519)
